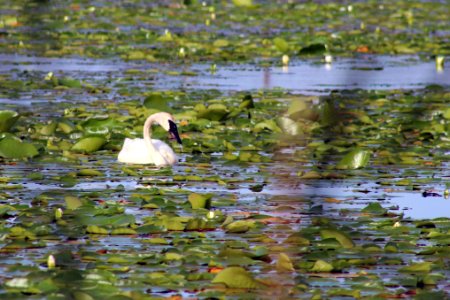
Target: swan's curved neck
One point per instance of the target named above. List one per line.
(148, 132)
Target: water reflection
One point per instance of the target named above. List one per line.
(39, 26)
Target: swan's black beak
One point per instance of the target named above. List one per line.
(173, 131)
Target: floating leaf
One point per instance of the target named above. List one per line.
(123, 231)
(374, 208)
(239, 226)
(355, 159)
(237, 277)
(69, 82)
(281, 44)
(94, 229)
(214, 112)
(200, 201)
(89, 144)
(113, 221)
(340, 236)
(157, 101)
(7, 119)
(89, 172)
(11, 147)
(423, 267)
(243, 3)
(289, 126)
(101, 125)
(221, 43)
(72, 202)
(284, 263)
(322, 266)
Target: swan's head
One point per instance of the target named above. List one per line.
(166, 121)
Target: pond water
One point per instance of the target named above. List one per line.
(303, 77)
(316, 77)
(273, 189)
(311, 76)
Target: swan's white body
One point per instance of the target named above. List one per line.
(148, 150)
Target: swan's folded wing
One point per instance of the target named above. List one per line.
(166, 152)
(134, 151)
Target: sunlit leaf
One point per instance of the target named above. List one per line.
(16, 149)
(355, 159)
(284, 263)
(89, 144)
(7, 119)
(237, 277)
(340, 236)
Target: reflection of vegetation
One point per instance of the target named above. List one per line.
(40, 26)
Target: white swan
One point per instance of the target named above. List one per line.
(148, 150)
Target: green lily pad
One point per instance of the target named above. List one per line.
(11, 147)
(355, 159)
(101, 125)
(214, 112)
(72, 202)
(423, 267)
(281, 44)
(374, 208)
(89, 144)
(200, 201)
(240, 226)
(243, 3)
(157, 101)
(340, 236)
(7, 119)
(237, 277)
(322, 266)
(69, 82)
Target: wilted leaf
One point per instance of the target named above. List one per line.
(284, 263)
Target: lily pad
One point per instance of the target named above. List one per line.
(214, 112)
(7, 119)
(340, 236)
(284, 263)
(157, 101)
(355, 159)
(200, 201)
(322, 266)
(89, 144)
(237, 277)
(11, 147)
